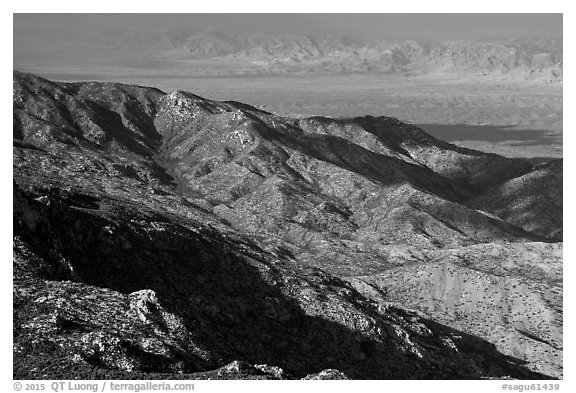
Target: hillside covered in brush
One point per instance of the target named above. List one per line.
(163, 234)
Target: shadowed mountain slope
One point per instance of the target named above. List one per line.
(532, 201)
(165, 233)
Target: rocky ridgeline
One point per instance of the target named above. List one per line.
(166, 235)
(213, 53)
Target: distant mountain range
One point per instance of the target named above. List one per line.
(162, 235)
(205, 52)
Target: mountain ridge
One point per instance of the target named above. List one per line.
(130, 191)
(207, 52)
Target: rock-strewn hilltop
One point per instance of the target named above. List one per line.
(167, 235)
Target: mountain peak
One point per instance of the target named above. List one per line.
(239, 54)
(158, 234)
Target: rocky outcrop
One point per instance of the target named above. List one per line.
(200, 239)
(329, 374)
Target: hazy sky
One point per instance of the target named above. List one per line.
(430, 26)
